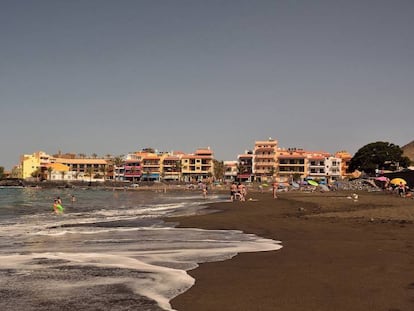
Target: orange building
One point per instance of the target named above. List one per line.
(265, 165)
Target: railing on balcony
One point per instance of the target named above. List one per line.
(129, 167)
(270, 163)
(132, 174)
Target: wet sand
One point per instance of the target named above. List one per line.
(338, 254)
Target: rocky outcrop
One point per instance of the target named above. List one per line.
(408, 150)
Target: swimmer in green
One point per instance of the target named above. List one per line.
(57, 207)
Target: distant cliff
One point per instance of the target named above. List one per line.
(409, 151)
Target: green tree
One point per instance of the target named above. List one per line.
(37, 174)
(1, 172)
(378, 155)
(218, 169)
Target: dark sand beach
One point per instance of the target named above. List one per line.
(338, 254)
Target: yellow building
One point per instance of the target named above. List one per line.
(42, 165)
(31, 163)
(198, 166)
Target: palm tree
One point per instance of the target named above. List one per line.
(118, 160)
(49, 170)
(90, 172)
(104, 170)
(94, 155)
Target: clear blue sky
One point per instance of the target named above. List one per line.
(98, 76)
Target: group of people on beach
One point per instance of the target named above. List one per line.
(238, 192)
(57, 204)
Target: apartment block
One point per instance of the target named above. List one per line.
(292, 164)
(231, 171)
(265, 166)
(198, 166)
(245, 167)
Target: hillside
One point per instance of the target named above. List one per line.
(409, 150)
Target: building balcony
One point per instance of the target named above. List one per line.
(129, 167)
(263, 171)
(291, 165)
(129, 174)
(267, 164)
(266, 155)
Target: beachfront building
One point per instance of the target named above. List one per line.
(43, 166)
(58, 171)
(316, 165)
(292, 164)
(245, 167)
(86, 169)
(230, 171)
(127, 168)
(345, 160)
(198, 166)
(332, 169)
(265, 165)
(131, 169)
(171, 167)
(31, 164)
(151, 166)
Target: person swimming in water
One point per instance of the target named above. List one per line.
(57, 206)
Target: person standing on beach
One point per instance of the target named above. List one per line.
(401, 189)
(233, 190)
(240, 192)
(205, 191)
(275, 185)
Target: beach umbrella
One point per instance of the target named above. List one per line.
(295, 184)
(397, 181)
(312, 182)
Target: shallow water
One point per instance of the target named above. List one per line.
(109, 250)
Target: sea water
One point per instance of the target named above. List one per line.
(110, 250)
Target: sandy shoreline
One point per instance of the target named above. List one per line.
(337, 254)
